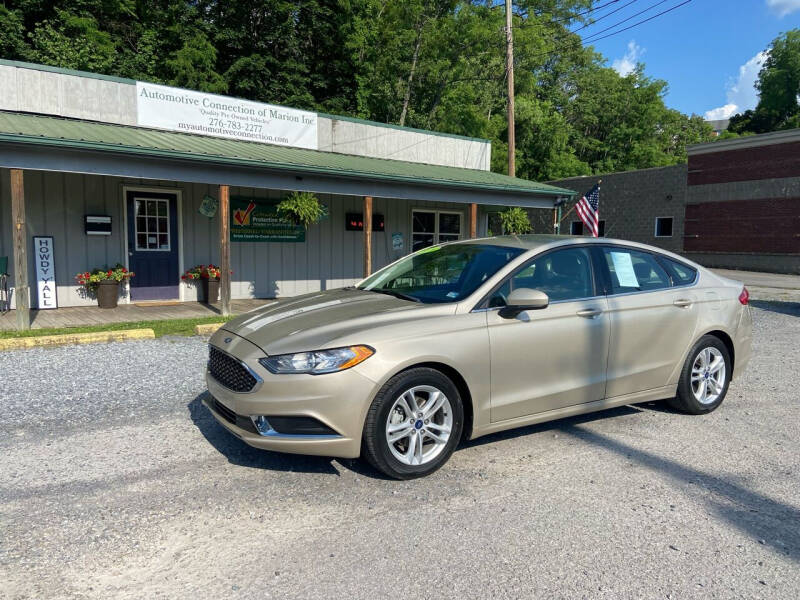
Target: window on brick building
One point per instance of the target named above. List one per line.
(663, 226)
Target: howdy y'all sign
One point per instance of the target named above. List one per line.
(45, 272)
(257, 220)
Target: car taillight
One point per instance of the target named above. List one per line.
(744, 297)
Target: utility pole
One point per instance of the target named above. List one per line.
(512, 143)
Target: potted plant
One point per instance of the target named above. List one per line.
(515, 221)
(104, 284)
(301, 208)
(208, 276)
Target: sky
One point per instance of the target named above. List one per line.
(708, 51)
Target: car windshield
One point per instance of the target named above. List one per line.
(441, 273)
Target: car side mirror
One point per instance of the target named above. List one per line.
(523, 299)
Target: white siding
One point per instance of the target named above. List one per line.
(330, 257)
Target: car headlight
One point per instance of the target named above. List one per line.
(316, 363)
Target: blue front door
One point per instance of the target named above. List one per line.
(153, 245)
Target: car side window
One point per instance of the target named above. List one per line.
(562, 275)
(634, 271)
(681, 274)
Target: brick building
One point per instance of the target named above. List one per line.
(735, 205)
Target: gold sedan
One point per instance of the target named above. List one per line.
(465, 339)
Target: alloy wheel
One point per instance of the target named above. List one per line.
(708, 375)
(419, 425)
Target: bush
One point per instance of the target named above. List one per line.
(515, 221)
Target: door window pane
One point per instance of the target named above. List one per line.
(634, 271)
(152, 224)
(562, 275)
(576, 228)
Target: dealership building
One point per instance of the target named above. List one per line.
(98, 170)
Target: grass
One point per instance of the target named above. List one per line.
(160, 327)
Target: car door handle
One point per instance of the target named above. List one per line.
(682, 302)
(589, 313)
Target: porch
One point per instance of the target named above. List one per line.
(84, 316)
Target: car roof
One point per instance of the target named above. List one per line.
(535, 241)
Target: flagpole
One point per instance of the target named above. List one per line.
(599, 181)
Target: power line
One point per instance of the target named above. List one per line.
(592, 38)
(651, 7)
(663, 12)
(585, 12)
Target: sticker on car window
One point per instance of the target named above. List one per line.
(452, 294)
(623, 267)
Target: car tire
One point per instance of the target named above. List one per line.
(404, 437)
(701, 388)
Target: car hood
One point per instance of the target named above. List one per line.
(313, 321)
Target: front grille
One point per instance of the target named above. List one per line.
(229, 372)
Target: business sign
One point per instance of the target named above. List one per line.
(257, 220)
(187, 111)
(45, 272)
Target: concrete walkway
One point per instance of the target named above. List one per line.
(81, 316)
(767, 286)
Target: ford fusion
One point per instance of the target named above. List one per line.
(468, 338)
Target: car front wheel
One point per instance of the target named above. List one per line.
(413, 424)
(705, 377)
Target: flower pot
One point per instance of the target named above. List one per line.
(107, 293)
(210, 290)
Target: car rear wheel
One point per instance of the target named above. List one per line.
(413, 424)
(705, 377)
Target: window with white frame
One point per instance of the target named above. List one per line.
(152, 224)
(430, 227)
(663, 226)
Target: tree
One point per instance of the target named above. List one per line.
(778, 86)
(428, 64)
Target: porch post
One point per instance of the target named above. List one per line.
(224, 250)
(20, 240)
(473, 220)
(367, 236)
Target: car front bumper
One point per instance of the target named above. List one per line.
(337, 400)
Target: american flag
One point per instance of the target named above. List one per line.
(588, 209)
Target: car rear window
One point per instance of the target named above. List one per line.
(681, 274)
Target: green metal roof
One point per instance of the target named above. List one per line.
(39, 130)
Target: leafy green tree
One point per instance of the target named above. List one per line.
(778, 86)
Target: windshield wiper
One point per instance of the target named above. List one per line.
(400, 295)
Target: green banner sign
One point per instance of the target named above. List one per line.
(256, 220)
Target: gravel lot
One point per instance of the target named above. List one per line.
(115, 482)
